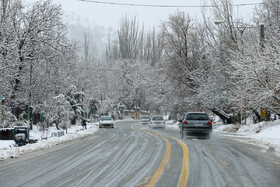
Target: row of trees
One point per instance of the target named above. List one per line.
(130, 72)
(224, 66)
(38, 63)
(34, 51)
(134, 43)
(182, 65)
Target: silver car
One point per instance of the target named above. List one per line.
(196, 123)
(157, 121)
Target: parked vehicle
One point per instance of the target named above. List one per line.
(21, 135)
(196, 123)
(145, 120)
(106, 121)
(157, 121)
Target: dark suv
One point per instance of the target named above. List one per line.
(196, 123)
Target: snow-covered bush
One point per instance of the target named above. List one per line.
(9, 119)
(56, 111)
(75, 98)
(94, 106)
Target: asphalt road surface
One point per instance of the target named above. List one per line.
(134, 155)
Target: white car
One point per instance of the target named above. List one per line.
(145, 120)
(157, 121)
(106, 121)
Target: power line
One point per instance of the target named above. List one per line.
(165, 6)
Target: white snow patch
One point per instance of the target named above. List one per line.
(224, 128)
(10, 150)
(5, 144)
(264, 134)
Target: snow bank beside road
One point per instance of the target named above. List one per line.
(9, 150)
(6, 144)
(263, 134)
(269, 136)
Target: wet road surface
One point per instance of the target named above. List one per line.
(134, 155)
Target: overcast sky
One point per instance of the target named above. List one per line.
(109, 15)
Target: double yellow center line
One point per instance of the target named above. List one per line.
(163, 163)
(185, 162)
(185, 165)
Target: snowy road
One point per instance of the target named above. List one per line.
(223, 161)
(124, 156)
(133, 155)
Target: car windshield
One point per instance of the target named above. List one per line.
(106, 118)
(145, 117)
(157, 118)
(197, 116)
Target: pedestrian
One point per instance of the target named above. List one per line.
(84, 123)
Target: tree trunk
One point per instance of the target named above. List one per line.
(257, 114)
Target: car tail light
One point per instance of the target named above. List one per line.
(185, 122)
(209, 123)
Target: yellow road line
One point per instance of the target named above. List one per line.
(183, 180)
(164, 161)
(162, 165)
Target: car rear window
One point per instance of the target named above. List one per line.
(145, 117)
(197, 117)
(157, 118)
(105, 118)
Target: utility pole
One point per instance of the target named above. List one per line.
(29, 98)
(2, 110)
(262, 36)
(29, 110)
(218, 23)
(241, 30)
(263, 113)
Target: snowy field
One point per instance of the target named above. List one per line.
(8, 148)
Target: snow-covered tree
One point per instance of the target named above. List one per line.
(183, 49)
(36, 56)
(106, 106)
(75, 99)
(94, 106)
(223, 39)
(257, 63)
(56, 111)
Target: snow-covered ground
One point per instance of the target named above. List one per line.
(8, 148)
(264, 134)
